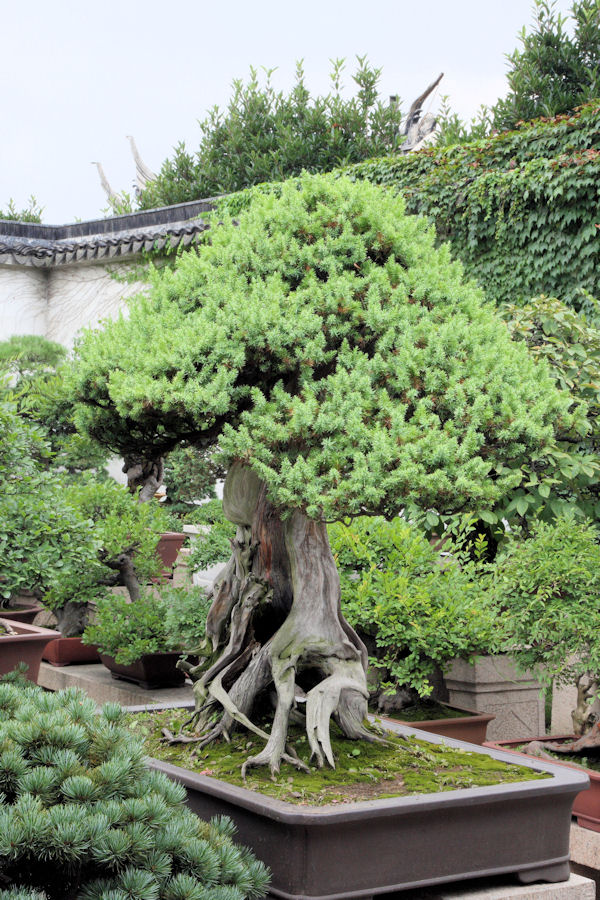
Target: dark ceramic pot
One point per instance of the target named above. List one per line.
(169, 545)
(26, 646)
(66, 651)
(380, 846)
(24, 614)
(586, 806)
(153, 670)
(470, 727)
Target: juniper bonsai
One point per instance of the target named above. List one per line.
(344, 367)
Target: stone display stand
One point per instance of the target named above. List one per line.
(98, 684)
(576, 888)
(494, 685)
(585, 853)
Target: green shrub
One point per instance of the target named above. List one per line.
(214, 546)
(267, 136)
(415, 607)
(81, 816)
(549, 589)
(172, 619)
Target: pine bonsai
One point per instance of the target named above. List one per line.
(81, 818)
(344, 367)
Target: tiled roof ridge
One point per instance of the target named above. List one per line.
(28, 243)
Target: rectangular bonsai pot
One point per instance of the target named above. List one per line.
(24, 613)
(471, 727)
(25, 646)
(380, 846)
(66, 651)
(153, 670)
(586, 806)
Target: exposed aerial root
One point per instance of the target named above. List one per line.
(321, 702)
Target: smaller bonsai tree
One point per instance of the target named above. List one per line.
(416, 604)
(170, 618)
(81, 818)
(548, 587)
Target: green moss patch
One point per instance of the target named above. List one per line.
(398, 767)
(427, 710)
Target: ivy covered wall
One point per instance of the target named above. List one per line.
(520, 209)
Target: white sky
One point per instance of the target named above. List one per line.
(79, 76)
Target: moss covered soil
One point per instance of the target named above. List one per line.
(425, 711)
(398, 767)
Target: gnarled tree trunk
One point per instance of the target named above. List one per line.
(276, 622)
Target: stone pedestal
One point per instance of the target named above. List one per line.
(585, 853)
(576, 888)
(494, 685)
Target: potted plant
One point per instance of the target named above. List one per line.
(417, 605)
(142, 640)
(548, 585)
(23, 643)
(122, 533)
(117, 828)
(343, 367)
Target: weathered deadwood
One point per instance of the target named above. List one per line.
(276, 621)
(143, 475)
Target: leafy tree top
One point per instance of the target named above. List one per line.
(265, 135)
(554, 71)
(329, 345)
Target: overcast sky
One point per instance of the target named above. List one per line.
(79, 76)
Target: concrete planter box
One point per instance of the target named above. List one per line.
(67, 651)
(471, 727)
(494, 685)
(25, 646)
(380, 846)
(586, 806)
(153, 670)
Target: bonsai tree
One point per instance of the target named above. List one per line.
(344, 367)
(414, 608)
(170, 618)
(82, 817)
(549, 588)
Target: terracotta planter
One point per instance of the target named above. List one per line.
(21, 613)
(470, 727)
(66, 651)
(168, 547)
(379, 846)
(153, 670)
(26, 646)
(586, 806)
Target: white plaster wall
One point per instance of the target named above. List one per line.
(23, 301)
(81, 296)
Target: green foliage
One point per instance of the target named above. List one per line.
(330, 346)
(43, 539)
(214, 546)
(169, 619)
(35, 368)
(415, 608)
(549, 589)
(554, 71)
(190, 475)
(264, 135)
(31, 213)
(564, 476)
(81, 816)
(519, 209)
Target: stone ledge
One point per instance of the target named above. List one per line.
(99, 684)
(585, 847)
(576, 888)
